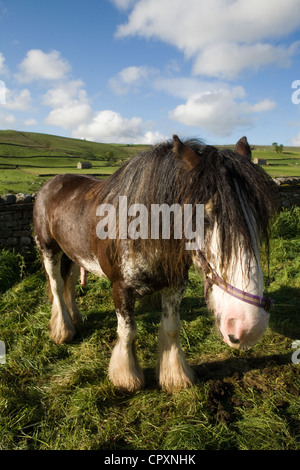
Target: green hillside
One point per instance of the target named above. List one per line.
(28, 159)
(29, 144)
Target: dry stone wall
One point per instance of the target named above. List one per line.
(289, 191)
(16, 214)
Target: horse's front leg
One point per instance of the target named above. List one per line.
(124, 369)
(173, 370)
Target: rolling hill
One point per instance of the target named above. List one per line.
(28, 159)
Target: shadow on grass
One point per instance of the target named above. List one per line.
(284, 320)
(237, 365)
(284, 317)
(231, 367)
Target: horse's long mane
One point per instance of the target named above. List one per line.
(157, 176)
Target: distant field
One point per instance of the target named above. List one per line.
(96, 170)
(284, 164)
(27, 159)
(282, 170)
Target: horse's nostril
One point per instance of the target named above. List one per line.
(233, 339)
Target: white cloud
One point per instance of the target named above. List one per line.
(296, 140)
(69, 116)
(262, 106)
(123, 4)
(227, 60)
(18, 100)
(3, 10)
(151, 138)
(185, 87)
(30, 122)
(219, 112)
(3, 66)
(131, 78)
(71, 110)
(2, 92)
(70, 105)
(110, 126)
(39, 65)
(223, 37)
(7, 120)
(64, 93)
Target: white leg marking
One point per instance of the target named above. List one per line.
(124, 369)
(61, 327)
(174, 372)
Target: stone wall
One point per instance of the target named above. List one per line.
(289, 191)
(16, 214)
(16, 222)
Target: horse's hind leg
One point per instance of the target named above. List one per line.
(124, 369)
(70, 273)
(62, 329)
(173, 370)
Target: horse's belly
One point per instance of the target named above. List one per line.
(91, 265)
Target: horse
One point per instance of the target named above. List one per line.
(238, 201)
(242, 147)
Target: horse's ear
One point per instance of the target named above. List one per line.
(243, 148)
(185, 153)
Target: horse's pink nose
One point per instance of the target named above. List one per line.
(234, 331)
(233, 339)
(233, 328)
(244, 331)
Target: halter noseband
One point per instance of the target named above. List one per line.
(212, 278)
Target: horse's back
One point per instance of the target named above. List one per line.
(63, 207)
(65, 186)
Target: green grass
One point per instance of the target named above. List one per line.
(284, 164)
(99, 170)
(27, 159)
(59, 397)
(29, 144)
(282, 170)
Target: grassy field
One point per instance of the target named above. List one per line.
(27, 160)
(285, 164)
(59, 397)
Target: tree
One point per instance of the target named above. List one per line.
(277, 148)
(110, 157)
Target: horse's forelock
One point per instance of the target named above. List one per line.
(158, 176)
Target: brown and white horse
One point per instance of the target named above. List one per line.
(238, 203)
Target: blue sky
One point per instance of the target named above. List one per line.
(137, 71)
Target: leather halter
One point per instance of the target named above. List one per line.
(212, 278)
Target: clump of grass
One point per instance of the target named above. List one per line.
(287, 224)
(11, 269)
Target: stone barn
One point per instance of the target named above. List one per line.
(260, 161)
(84, 165)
